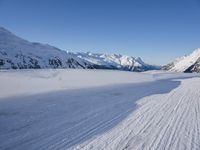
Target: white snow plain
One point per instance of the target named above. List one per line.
(99, 109)
(28, 82)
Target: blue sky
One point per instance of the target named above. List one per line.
(156, 30)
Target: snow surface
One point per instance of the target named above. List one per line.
(28, 82)
(163, 121)
(98, 109)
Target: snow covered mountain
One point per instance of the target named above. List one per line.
(115, 61)
(17, 53)
(188, 63)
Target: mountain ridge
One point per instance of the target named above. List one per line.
(17, 53)
(188, 63)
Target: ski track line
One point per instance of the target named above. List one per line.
(90, 116)
(82, 135)
(70, 141)
(162, 121)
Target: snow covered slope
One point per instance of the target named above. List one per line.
(116, 61)
(17, 53)
(189, 63)
(89, 109)
(167, 121)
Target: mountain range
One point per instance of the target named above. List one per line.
(17, 53)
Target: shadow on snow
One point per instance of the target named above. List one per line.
(66, 118)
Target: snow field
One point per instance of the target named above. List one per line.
(98, 109)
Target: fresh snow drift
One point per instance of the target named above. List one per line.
(90, 109)
(189, 63)
(17, 53)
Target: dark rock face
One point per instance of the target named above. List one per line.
(55, 63)
(2, 62)
(168, 66)
(194, 68)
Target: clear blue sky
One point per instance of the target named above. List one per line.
(156, 30)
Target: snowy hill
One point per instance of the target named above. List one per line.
(17, 53)
(188, 63)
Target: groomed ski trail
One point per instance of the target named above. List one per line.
(163, 121)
